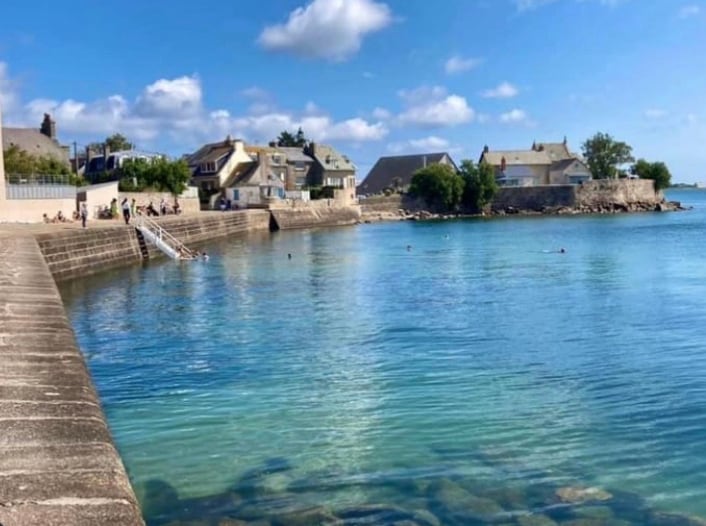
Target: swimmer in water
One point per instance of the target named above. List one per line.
(289, 256)
(409, 248)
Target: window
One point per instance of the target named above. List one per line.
(299, 166)
(208, 167)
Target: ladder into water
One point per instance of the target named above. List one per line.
(163, 240)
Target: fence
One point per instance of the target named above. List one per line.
(39, 186)
(40, 191)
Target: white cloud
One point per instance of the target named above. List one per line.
(328, 29)
(655, 113)
(515, 116)
(433, 107)
(381, 114)
(425, 144)
(174, 109)
(504, 90)
(170, 97)
(255, 93)
(688, 11)
(458, 64)
(429, 143)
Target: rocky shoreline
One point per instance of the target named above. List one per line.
(403, 214)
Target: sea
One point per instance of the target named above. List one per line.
(442, 372)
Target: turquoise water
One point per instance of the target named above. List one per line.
(471, 376)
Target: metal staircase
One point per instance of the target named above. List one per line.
(163, 240)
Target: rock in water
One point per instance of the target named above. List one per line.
(578, 495)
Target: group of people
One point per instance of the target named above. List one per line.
(58, 218)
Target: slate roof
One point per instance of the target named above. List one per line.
(517, 157)
(330, 160)
(386, 169)
(33, 142)
(566, 163)
(556, 151)
(295, 154)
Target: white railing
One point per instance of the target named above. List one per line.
(165, 241)
(39, 191)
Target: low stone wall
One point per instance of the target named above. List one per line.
(382, 203)
(621, 192)
(31, 210)
(534, 197)
(58, 464)
(79, 252)
(315, 216)
(606, 194)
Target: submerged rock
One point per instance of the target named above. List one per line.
(660, 518)
(535, 520)
(579, 495)
(453, 500)
(319, 516)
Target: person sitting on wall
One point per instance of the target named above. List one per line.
(60, 217)
(151, 210)
(45, 218)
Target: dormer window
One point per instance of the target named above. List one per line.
(208, 167)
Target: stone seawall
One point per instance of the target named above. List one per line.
(58, 464)
(592, 196)
(310, 217)
(79, 252)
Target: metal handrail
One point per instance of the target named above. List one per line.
(164, 235)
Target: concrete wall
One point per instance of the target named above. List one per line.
(58, 464)
(97, 197)
(31, 210)
(79, 252)
(188, 202)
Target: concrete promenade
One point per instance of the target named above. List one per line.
(58, 464)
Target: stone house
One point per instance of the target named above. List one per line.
(213, 165)
(395, 172)
(543, 164)
(330, 168)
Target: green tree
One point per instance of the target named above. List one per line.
(480, 185)
(658, 172)
(288, 139)
(159, 174)
(20, 162)
(438, 185)
(115, 143)
(605, 155)
(118, 142)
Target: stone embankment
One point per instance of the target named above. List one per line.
(58, 464)
(594, 197)
(75, 252)
(312, 217)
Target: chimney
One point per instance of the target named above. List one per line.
(534, 146)
(503, 164)
(424, 161)
(564, 140)
(48, 127)
(486, 149)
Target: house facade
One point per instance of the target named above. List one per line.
(330, 168)
(213, 165)
(395, 172)
(542, 164)
(254, 176)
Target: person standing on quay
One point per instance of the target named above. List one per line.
(84, 214)
(126, 210)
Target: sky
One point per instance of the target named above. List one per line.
(370, 77)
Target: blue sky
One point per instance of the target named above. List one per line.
(371, 77)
